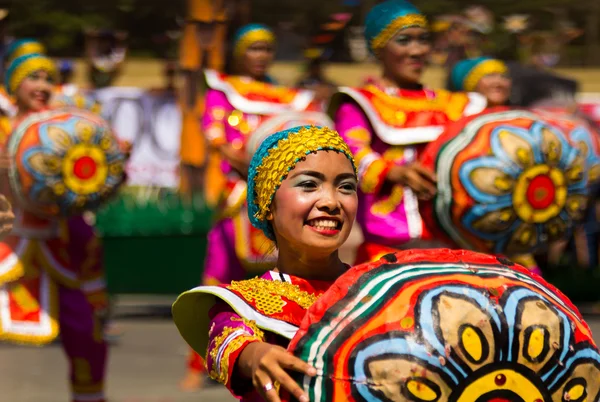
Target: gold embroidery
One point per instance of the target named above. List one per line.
(373, 176)
(245, 88)
(222, 375)
(389, 205)
(395, 153)
(393, 109)
(267, 295)
(359, 134)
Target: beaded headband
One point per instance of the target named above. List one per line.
(386, 19)
(249, 35)
(276, 157)
(23, 47)
(23, 66)
(486, 67)
(406, 21)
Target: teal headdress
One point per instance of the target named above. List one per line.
(276, 156)
(21, 67)
(385, 20)
(250, 34)
(466, 73)
(22, 47)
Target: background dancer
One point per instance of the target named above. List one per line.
(386, 123)
(55, 256)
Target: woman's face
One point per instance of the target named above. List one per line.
(257, 59)
(315, 207)
(404, 57)
(496, 89)
(34, 92)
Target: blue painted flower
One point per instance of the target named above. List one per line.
(469, 348)
(528, 191)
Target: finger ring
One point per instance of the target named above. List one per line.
(268, 386)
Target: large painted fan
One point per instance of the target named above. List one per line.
(446, 325)
(511, 181)
(64, 162)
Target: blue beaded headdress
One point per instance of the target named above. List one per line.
(250, 34)
(466, 74)
(385, 20)
(276, 156)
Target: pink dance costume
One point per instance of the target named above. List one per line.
(387, 127)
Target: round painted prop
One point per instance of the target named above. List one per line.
(284, 121)
(446, 325)
(510, 181)
(64, 162)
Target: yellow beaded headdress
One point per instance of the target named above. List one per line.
(21, 67)
(385, 20)
(250, 34)
(21, 47)
(276, 156)
(466, 74)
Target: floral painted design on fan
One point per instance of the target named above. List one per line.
(473, 363)
(448, 326)
(588, 144)
(527, 190)
(66, 162)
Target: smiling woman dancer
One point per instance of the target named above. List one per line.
(302, 194)
(235, 107)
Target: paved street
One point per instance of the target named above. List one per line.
(145, 366)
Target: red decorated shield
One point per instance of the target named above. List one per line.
(446, 325)
(64, 162)
(511, 181)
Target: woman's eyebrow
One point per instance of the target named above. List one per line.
(313, 173)
(344, 176)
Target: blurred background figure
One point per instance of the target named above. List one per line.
(66, 69)
(106, 52)
(487, 76)
(315, 80)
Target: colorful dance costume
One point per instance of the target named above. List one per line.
(465, 76)
(51, 278)
(234, 107)
(384, 127)
(85, 247)
(220, 321)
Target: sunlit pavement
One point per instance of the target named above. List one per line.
(145, 365)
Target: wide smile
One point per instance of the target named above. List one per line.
(325, 226)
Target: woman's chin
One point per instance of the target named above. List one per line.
(324, 243)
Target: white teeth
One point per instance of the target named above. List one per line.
(324, 223)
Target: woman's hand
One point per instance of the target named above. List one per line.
(266, 365)
(419, 179)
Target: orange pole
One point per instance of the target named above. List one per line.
(202, 46)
